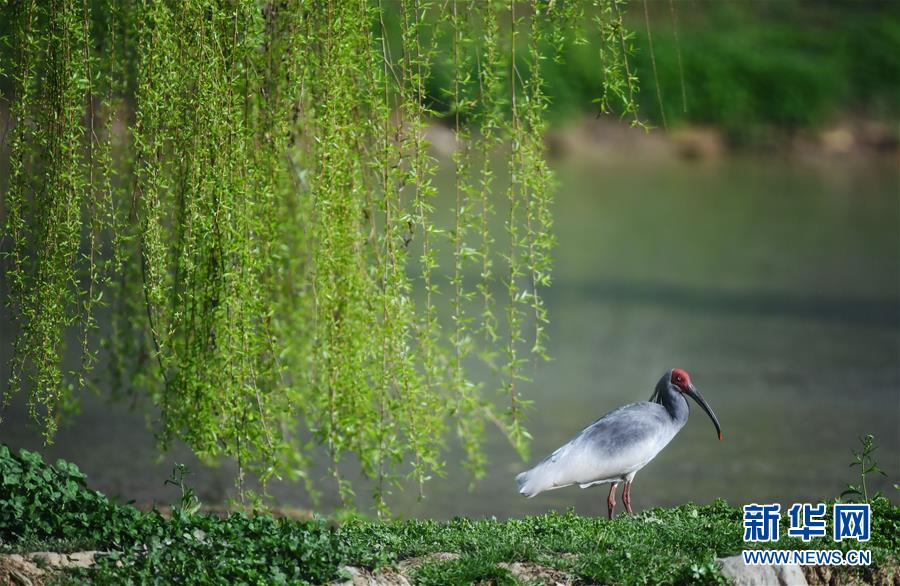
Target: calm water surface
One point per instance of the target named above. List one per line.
(775, 284)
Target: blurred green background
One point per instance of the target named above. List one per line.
(754, 68)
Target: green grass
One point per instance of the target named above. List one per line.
(50, 507)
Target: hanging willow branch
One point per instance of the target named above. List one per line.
(250, 187)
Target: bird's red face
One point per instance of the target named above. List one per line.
(681, 379)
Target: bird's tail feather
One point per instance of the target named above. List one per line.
(524, 486)
(532, 482)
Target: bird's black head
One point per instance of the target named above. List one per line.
(681, 380)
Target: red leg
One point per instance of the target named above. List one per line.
(611, 499)
(626, 497)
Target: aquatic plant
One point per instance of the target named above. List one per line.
(244, 192)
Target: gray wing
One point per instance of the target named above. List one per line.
(615, 445)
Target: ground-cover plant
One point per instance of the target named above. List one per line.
(44, 506)
(40, 502)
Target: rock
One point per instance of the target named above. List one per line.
(773, 575)
(525, 572)
(364, 577)
(49, 559)
(837, 141)
(696, 142)
(531, 573)
(32, 569)
(17, 570)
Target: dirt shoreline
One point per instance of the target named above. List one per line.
(611, 140)
(607, 138)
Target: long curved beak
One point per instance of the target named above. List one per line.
(695, 395)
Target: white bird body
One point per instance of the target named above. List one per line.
(585, 461)
(616, 446)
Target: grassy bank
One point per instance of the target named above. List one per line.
(49, 507)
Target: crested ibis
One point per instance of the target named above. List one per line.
(616, 446)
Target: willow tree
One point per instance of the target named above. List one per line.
(233, 203)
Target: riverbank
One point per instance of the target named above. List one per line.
(611, 139)
(48, 508)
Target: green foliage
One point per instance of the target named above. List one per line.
(43, 502)
(45, 506)
(188, 503)
(749, 68)
(867, 465)
(755, 69)
(250, 186)
(54, 198)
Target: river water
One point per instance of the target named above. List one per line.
(775, 283)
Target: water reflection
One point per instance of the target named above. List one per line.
(882, 313)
